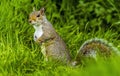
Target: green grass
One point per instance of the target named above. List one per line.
(74, 21)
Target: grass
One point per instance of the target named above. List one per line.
(20, 55)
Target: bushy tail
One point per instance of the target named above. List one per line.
(94, 47)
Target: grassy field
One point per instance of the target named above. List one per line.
(74, 20)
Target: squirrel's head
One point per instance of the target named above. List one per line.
(37, 17)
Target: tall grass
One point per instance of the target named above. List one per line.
(75, 21)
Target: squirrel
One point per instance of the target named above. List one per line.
(53, 46)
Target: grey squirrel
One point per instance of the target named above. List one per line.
(53, 47)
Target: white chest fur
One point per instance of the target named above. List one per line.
(38, 32)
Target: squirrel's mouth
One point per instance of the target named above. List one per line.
(33, 23)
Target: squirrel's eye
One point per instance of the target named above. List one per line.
(38, 15)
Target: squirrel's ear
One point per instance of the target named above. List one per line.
(42, 10)
(33, 8)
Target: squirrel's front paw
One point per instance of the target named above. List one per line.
(37, 40)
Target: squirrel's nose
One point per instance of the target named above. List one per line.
(30, 21)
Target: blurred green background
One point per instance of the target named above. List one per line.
(74, 20)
